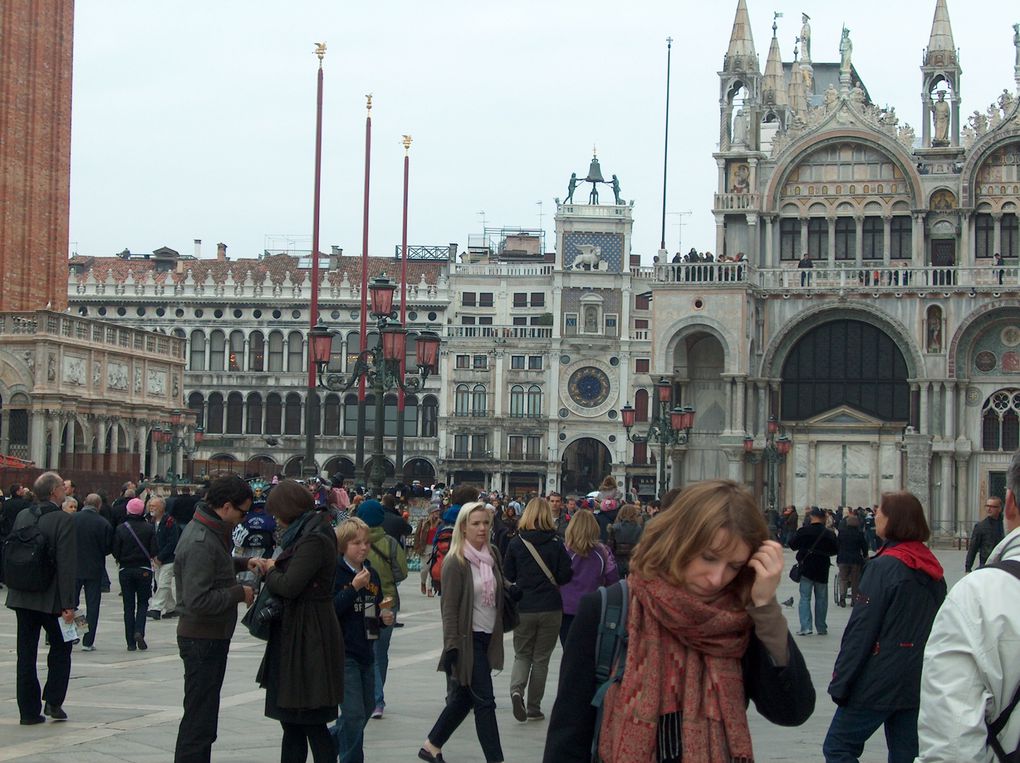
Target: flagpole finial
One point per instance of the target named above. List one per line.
(407, 143)
(368, 102)
(320, 51)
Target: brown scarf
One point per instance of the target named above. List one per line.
(683, 656)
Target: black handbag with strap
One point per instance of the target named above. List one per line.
(795, 571)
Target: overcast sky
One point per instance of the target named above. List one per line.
(195, 119)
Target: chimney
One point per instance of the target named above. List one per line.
(334, 257)
(453, 252)
(221, 251)
(337, 251)
(198, 248)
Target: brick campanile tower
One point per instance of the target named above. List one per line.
(35, 152)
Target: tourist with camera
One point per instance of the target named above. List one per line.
(302, 670)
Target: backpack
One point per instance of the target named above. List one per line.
(995, 727)
(439, 551)
(28, 562)
(610, 651)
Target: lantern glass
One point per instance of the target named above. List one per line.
(688, 417)
(677, 418)
(748, 444)
(629, 415)
(394, 342)
(175, 418)
(773, 425)
(320, 340)
(381, 291)
(427, 349)
(199, 434)
(665, 390)
(783, 445)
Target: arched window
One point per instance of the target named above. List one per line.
(331, 426)
(215, 423)
(235, 413)
(196, 404)
(845, 362)
(846, 238)
(350, 415)
(256, 351)
(336, 354)
(274, 413)
(410, 416)
(217, 351)
(275, 351)
(292, 414)
(517, 400)
(478, 400)
(641, 405)
(254, 413)
(429, 417)
(295, 352)
(197, 362)
(462, 400)
(534, 401)
(236, 358)
(1000, 425)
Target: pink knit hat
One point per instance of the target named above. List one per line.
(135, 507)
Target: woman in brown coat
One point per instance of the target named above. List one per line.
(471, 604)
(302, 670)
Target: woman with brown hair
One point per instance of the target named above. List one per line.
(538, 563)
(302, 670)
(877, 677)
(592, 563)
(704, 636)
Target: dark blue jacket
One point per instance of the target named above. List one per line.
(168, 532)
(94, 536)
(350, 610)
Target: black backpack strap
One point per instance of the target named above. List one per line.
(610, 648)
(1011, 566)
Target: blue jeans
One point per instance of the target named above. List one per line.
(382, 660)
(851, 727)
(821, 592)
(359, 696)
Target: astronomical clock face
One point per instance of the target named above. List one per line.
(588, 387)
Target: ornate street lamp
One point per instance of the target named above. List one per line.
(171, 438)
(379, 365)
(777, 446)
(669, 427)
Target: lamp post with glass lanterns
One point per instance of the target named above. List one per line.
(777, 446)
(379, 366)
(668, 427)
(172, 438)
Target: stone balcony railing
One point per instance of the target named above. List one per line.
(499, 332)
(736, 202)
(503, 269)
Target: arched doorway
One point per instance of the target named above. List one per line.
(340, 465)
(586, 462)
(421, 470)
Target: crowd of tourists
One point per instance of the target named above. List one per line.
(666, 613)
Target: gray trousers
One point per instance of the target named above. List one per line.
(534, 640)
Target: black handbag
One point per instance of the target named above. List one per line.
(261, 614)
(509, 612)
(795, 571)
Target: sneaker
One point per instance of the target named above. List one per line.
(88, 648)
(377, 713)
(171, 613)
(132, 647)
(153, 614)
(823, 633)
(56, 712)
(33, 721)
(536, 715)
(804, 633)
(520, 712)
(140, 642)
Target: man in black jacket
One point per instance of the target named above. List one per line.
(394, 523)
(9, 511)
(814, 545)
(850, 558)
(987, 533)
(95, 540)
(40, 610)
(134, 546)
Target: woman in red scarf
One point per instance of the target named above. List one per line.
(877, 677)
(705, 636)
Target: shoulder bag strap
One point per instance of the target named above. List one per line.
(144, 551)
(538, 559)
(813, 545)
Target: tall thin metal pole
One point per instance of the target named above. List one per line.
(403, 313)
(665, 148)
(308, 464)
(359, 452)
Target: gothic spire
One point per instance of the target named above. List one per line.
(741, 54)
(774, 86)
(941, 40)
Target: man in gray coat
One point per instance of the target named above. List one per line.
(41, 610)
(95, 539)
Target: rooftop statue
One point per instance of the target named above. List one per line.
(846, 50)
(805, 37)
(571, 187)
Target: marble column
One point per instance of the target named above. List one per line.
(946, 498)
(858, 240)
(5, 430)
(37, 441)
(803, 236)
(739, 398)
(728, 420)
(962, 485)
(876, 470)
(949, 429)
(770, 261)
(763, 411)
(886, 240)
(720, 235)
(56, 427)
(917, 239)
(997, 235)
(831, 221)
(752, 237)
(923, 410)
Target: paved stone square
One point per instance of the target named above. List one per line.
(125, 706)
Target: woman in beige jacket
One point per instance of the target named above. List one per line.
(472, 585)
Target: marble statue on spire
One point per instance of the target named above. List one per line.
(1016, 42)
(846, 50)
(805, 38)
(940, 115)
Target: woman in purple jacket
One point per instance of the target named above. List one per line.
(592, 562)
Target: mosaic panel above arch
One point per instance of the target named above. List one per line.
(842, 169)
(999, 173)
(996, 352)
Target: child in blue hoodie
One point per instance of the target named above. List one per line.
(359, 604)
